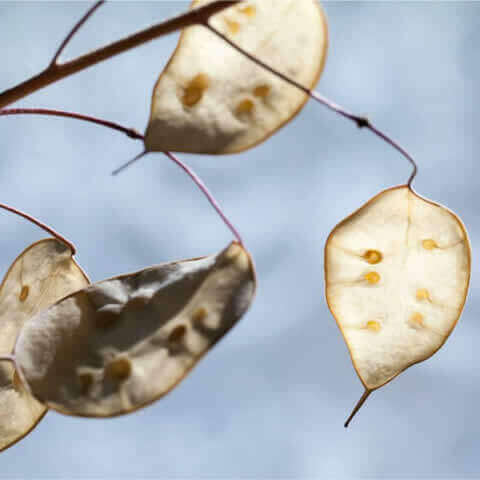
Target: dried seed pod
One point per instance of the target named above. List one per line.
(162, 320)
(397, 273)
(42, 274)
(211, 99)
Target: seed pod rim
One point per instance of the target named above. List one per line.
(323, 18)
(58, 408)
(2, 284)
(460, 309)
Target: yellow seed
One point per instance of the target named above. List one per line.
(177, 334)
(417, 319)
(249, 10)
(429, 244)
(372, 277)
(23, 293)
(194, 91)
(423, 294)
(373, 256)
(245, 106)
(373, 326)
(119, 368)
(261, 91)
(199, 316)
(85, 380)
(233, 27)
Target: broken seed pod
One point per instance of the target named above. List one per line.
(397, 272)
(42, 274)
(211, 99)
(122, 343)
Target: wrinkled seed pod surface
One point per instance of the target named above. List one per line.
(42, 274)
(122, 343)
(211, 99)
(397, 273)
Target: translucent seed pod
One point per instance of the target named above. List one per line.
(417, 290)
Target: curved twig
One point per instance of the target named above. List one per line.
(130, 132)
(42, 225)
(361, 122)
(197, 180)
(73, 31)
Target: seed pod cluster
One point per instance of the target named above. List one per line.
(112, 347)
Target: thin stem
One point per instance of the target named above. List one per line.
(357, 407)
(74, 30)
(121, 168)
(55, 73)
(130, 132)
(196, 179)
(361, 122)
(40, 224)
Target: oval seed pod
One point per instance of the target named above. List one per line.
(122, 343)
(42, 274)
(211, 99)
(397, 273)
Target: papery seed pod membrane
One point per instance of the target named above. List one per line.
(42, 274)
(397, 273)
(120, 344)
(211, 99)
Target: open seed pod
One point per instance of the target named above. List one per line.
(211, 99)
(397, 273)
(122, 343)
(42, 274)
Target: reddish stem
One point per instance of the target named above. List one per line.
(361, 122)
(197, 180)
(73, 31)
(130, 132)
(42, 225)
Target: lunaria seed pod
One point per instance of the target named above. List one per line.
(397, 273)
(212, 99)
(42, 274)
(120, 344)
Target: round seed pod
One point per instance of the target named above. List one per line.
(397, 273)
(211, 99)
(120, 344)
(42, 274)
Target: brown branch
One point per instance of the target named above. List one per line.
(361, 122)
(74, 30)
(56, 72)
(130, 132)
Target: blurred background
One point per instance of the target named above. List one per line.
(270, 399)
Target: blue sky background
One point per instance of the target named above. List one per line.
(270, 400)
